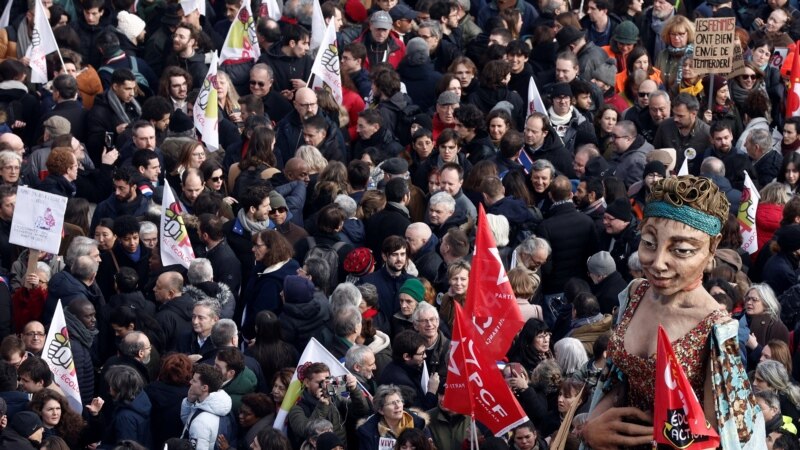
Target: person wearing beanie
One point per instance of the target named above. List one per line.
(623, 40)
(303, 316)
(24, 432)
(280, 215)
(411, 293)
(417, 73)
(567, 122)
(605, 78)
(358, 263)
(780, 271)
(607, 282)
(631, 150)
(653, 171)
(329, 441)
(132, 27)
(722, 107)
(620, 235)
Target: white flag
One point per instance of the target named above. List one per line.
(425, 377)
(317, 26)
(684, 170)
(188, 6)
(747, 215)
(326, 69)
(315, 353)
(535, 103)
(206, 108)
(42, 44)
(57, 352)
(241, 42)
(270, 8)
(176, 248)
(6, 17)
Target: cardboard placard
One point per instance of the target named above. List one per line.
(38, 220)
(714, 45)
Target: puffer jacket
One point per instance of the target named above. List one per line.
(302, 321)
(218, 291)
(202, 429)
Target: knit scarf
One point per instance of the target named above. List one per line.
(560, 123)
(119, 109)
(251, 225)
(693, 89)
(78, 331)
(684, 53)
(738, 93)
(657, 25)
(787, 149)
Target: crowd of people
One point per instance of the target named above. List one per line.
(353, 222)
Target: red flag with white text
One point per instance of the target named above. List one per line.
(475, 386)
(793, 95)
(490, 300)
(678, 418)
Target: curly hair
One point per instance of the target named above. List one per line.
(176, 370)
(60, 160)
(71, 423)
(699, 193)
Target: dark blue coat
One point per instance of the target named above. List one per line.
(408, 379)
(263, 292)
(130, 421)
(780, 272)
(421, 81)
(387, 287)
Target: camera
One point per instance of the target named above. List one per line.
(335, 385)
(109, 140)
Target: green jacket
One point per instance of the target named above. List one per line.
(239, 386)
(448, 430)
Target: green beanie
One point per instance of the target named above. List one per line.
(414, 288)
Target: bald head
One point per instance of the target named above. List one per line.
(647, 86)
(168, 286)
(417, 235)
(712, 166)
(10, 141)
(296, 169)
(305, 103)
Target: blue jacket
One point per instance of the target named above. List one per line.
(263, 292)
(130, 421)
(387, 287)
(66, 287)
(529, 15)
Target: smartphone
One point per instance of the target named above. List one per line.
(109, 140)
(514, 369)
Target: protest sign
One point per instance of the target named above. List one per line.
(714, 45)
(778, 57)
(38, 220)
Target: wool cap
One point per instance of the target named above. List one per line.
(601, 264)
(25, 423)
(130, 25)
(620, 209)
(359, 261)
(297, 289)
(413, 288)
(328, 441)
(448, 98)
(655, 166)
(626, 33)
(788, 238)
(395, 166)
(568, 35)
(607, 73)
(276, 200)
(355, 11)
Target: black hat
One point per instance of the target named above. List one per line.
(328, 441)
(655, 167)
(180, 122)
(560, 90)
(395, 166)
(568, 35)
(402, 11)
(620, 209)
(25, 423)
(170, 16)
(596, 167)
(788, 238)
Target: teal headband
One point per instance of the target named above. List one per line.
(685, 214)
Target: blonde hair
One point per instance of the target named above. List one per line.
(678, 22)
(231, 96)
(524, 282)
(316, 162)
(774, 193)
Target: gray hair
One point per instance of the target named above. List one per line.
(320, 272)
(147, 227)
(767, 296)
(659, 93)
(383, 391)
(264, 67)
(211, 304)
(634, 263)
(6, 156)
(131, 344)
(356, 354)
(200, 271)
(43, 267)
(125, 381)
(223, 332)
(422, 307)
(347, 204)
(443, 198)
(500, 228)
(770, 398)
(432, 25)
(84, 267)
(531, 245)
(543, 164)
(317, 426)
(777, 377)
(761, 138)
(570, 355)
(712, 166)
(590, 150)
(346, 320)
(368, 292)
(80, 246)
(345, 294)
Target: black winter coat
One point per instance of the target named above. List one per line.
(573, 238)
(175, 318)
(420, 81)
(408, 379)
(391, 221)
(165, 416)
(286, 68)
(302, 321)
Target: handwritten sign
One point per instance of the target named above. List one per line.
(38, 220)
(714, 45)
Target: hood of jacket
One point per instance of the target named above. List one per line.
(354, 231)
(140, 405)
(182, 306)
(379, 342)
(415, 70)
(303, 312)
(218, 291)
(430, 246)
(242, 384)
(217, 403)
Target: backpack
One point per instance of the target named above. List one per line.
(330, 254)
(140, 79)
(227, 428)
(405, 118)
(247, 178)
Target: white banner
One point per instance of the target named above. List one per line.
(57, 352)
(206, 108)
(241, 42)
(175, 245)
(317, 25)
(42, 44)
(6, 17)
(535, 103)
(747, 215)
(38, 220)
(326, 70)
(270, 8)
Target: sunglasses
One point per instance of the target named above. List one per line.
(644, 94)
(281, 210)
(216, 179)
(257, 83)
(751, 77)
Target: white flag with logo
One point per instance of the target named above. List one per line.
(747, 215)
(317, 26)
(176, 248)
(42, 44)
(270, 8)
(535, 103)
(206, 108)
(57, 352)
(241, 43)
(326, 70)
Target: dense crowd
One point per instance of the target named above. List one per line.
(353, 222)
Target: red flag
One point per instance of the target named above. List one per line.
(475, 386)
(490, 300)
(793, 96)
(678, 419)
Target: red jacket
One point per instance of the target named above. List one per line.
(768, 220)
(396, 46)
(27, 304)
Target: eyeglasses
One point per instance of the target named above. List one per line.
(644, 94)
(752, 299)
(678, 34)
(257, 83)
(198, 154)
(34, 334)
(394, 403)
(429, 321)
(307, 105)
(216, 179)
(748, 77)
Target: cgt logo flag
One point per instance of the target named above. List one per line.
(205, 110)
(475, 386)
(42, 44)
(241, 44)
(175, 245)
(326, 65)
(747, 215)
(58, 355)
(490, 300)
(678, 418)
